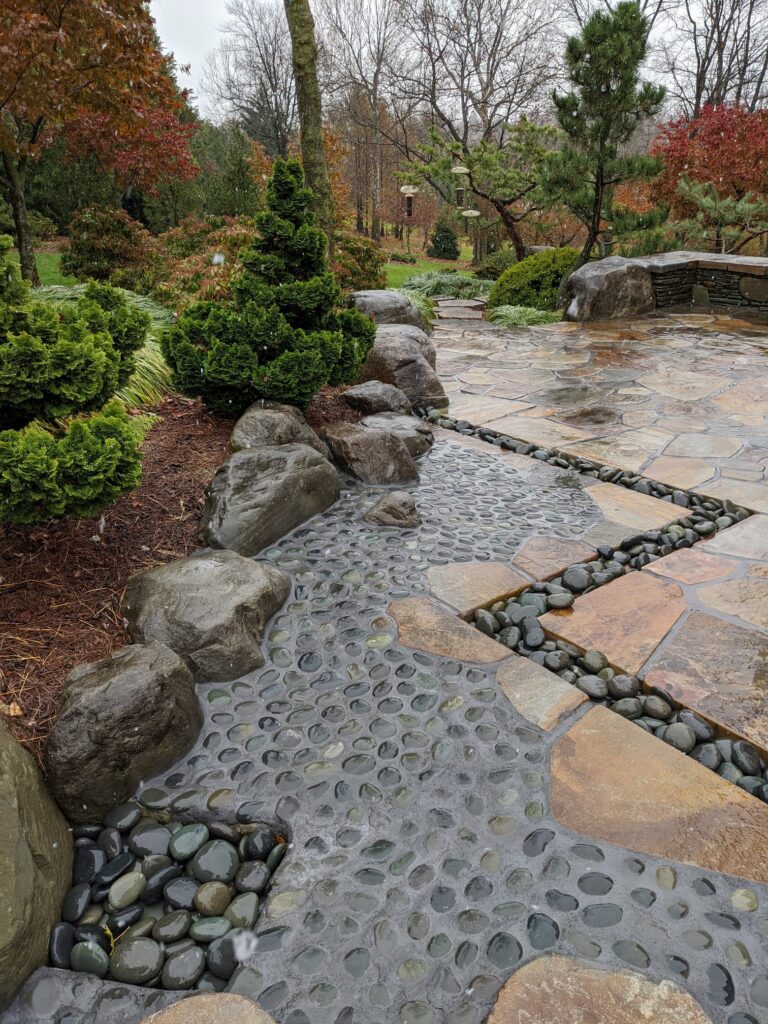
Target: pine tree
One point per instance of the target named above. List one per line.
(282, 336)
(600, 114)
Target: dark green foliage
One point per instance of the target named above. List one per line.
(102, 242)
(444, 245)
(600, 114)
(494, 265)
(401, 257)
(534, 281)
(282, 335)
(57, 363)
(358, 263)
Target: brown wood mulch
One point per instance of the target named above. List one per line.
(61, 582)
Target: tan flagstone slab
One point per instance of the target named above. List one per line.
(614, 782)
(747, 539)
(630, 450)
(744, 599)
(626, 619)
(692, 566)
(477, 377)
(684, 384)
(639, 417)
(733, 473)
(677, 472)
(540, 696)
(466, 586)
(544, 557)
(212, 1008)
(761, 571)
(479, 409)
(704, 446)
(537, 431)
(753, 496)
(424, 626)
(631, 508)
(565, 990)
(719, 669)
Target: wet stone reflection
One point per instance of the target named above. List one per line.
(424, 864)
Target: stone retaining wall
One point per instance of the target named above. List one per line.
(729, 282)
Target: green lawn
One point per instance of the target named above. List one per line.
(398, 273)
(49, 268)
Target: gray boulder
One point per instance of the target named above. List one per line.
(270, 423)
(373, 397)
(259, 494)
(210, 609)
(121, 719)
(374, 456)
(415, 334)
(416, 433)
(35, 865)
(608, 289)
(395, 508)
(387, 306)
(397, 358)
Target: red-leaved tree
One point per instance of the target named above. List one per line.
(67, 60)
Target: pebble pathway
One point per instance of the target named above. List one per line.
(424, 864)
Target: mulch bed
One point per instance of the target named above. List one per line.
(328, 407)
(61, 582)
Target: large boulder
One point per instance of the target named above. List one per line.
(415, 334)
(35, 865)
(259, 494)
(210, 609)
(270, 423)
(396, 357)
(121, 720)
(373, 396)
(416, 434)
(387, 306)
(395, 508)
(374, 456)
(212, 1008)
(608, 289)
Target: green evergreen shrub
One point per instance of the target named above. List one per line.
(401, 257)
(444, 244)
(281, 334)
(494, 265)
(534, 281)
(103, 242)
(55, 365)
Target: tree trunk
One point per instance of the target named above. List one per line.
(16, 175)
(593, 229)
(304, 53)
(510, 226)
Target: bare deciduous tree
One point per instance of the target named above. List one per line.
(249, 75)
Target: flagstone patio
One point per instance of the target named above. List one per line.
(472, 839)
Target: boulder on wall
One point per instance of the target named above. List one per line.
(609, 289)
(35, 865)
(270, 423)
(400, 358)
(388, 306)
(374, 456)
(211, 609)
(121, 720)
(260, 494)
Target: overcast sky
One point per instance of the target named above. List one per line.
(190, 29)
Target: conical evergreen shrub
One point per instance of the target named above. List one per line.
(56, 365)
(283, 334)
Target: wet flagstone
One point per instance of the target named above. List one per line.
(750, 494)
(748, 539)
(744, 599)
(685, 473)
(470, 585)
(617, 784)
(626, 619)
(692, 565)
(540, 696)
(425, 626)
(541, 558)
(565, 990)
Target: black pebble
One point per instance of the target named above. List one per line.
(110, 842)
(93, 933)
(153, 890)
(259, 842)
(746, 757)
(88, 862)
(117, 923)
(114, 868)
(76, 902)
(708, 755)
(61, 943)
(180, 892)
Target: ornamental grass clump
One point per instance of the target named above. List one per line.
(282, 334)
(66, 447)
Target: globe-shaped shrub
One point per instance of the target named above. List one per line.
(56, 366)
(534, 281)
(282, 334)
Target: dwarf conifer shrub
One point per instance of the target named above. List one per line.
(443, 243)
(534, 281)
(281, 335)
(55, 366)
